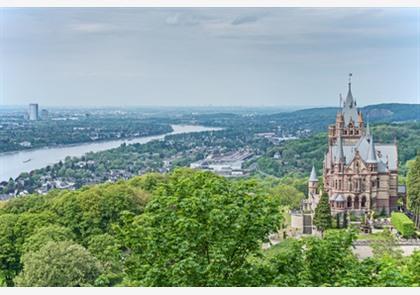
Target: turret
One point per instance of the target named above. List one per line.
(372, 160)
(313, 183)
(360, 119)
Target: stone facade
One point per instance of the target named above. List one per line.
(359, 175)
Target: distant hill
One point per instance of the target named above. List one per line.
(317, 119)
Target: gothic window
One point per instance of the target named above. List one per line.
(363, 201)
(348, 202)
(350, 185)
(356, 202)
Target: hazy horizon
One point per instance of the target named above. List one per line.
(208, 57)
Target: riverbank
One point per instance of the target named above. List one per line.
(12, 164)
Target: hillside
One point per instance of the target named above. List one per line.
(186, 228)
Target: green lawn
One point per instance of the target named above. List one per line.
(278, 247)
(370, 237)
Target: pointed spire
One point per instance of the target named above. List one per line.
(371, 158)
(349, 98)
(313, 176)
(367, 129)
(340, 156)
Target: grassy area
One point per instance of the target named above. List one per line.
(370, 237)
(278, 247)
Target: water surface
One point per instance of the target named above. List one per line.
(14, 163)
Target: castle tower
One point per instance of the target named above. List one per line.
(313, 183)
(349, 123)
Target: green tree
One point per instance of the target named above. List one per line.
(107, 250)
(413, 266)
(413, 189)
(9, 254)
(288, 196)
(322, 218)
(46, 234)
(58, 264)
(386, 245)
(329, 259)
(199, 229)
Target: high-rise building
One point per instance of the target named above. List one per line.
(44, 114)
(33, 111)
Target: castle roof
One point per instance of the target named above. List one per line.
(340, 198)
(340, 151)
(349, 110)
(371, 155)
(386, 154)
(313, 176)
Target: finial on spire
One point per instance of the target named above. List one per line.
(341, 101)
(350, 74)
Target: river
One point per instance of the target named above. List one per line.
(14, 163)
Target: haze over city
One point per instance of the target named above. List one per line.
(203, 56)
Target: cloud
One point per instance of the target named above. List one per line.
(245, 20)
(92, 27)
(184, 19)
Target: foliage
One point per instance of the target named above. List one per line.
(58, 264)
(198, 230)
(288, 196)
(46, 234)
(9, 254)
(107, 249)
(413, 188)
(403, 224)
(385, 244)
(185, 228)
(322, 217)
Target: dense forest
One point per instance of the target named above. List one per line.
(185, 228)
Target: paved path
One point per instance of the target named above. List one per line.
(366, 251)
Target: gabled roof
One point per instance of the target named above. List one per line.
(386, 154)
(340, 198)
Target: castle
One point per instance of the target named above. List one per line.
(359, 175)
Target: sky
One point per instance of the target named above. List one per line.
(208, 56)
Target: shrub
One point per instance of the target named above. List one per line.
(403, 224)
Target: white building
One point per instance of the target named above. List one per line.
(33, 112)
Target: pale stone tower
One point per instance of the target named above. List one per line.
(313, 183)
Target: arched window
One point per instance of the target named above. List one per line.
(349, 202)
(356, 202)
(363, 201)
